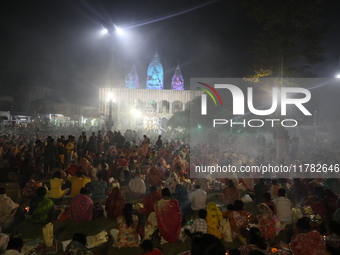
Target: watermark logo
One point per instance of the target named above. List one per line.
(204, 97)
(238, 99)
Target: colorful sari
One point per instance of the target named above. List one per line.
(181, 194)
(169, 218)
(41, 210)
(127, 236)
(214, 217)
(267, 224)
(81, 208)
(308, 243)
(149, 202)
(114, 204)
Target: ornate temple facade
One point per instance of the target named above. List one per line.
(149, 108)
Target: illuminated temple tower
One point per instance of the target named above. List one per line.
(154, 79)
(177, 82)
(150, 108)
(132, 79)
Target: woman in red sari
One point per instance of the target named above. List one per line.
(308, 241)
(266, 220)
(114, 204)
(154, 177)
(230, 193)
(167, 218)
(149, 201)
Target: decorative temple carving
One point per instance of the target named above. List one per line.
(132, 79)
(177, 82)
(154, 79)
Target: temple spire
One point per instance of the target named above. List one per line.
(177, 82)
(154, 78)
(132, 79)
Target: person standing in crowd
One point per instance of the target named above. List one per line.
(38, 153)
(92, 147)
(100, 142)
(159, 143)
(198, 198)
(70, 148)
(51, 157)
(61, 151)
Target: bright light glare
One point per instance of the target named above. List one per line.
(338, 76)
(105, 31)
(136, 112)
(119, 31)
(109, 96)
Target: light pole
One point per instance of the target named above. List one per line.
(111, 33)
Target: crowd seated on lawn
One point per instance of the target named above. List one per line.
(104, 174)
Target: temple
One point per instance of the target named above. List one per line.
(132, 79)
(177, 82)
(154, 79)
(150, 108)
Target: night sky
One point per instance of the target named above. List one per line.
(58, 43)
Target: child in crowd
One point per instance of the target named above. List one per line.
(199, 226)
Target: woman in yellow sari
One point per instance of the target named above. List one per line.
(214, 217)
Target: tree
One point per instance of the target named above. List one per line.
(291, 37)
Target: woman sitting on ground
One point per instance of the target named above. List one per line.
(41, 207)
(167, 218)
(267, 224)
(81, 206)
(149, 201)
(308, 241)
(56, 186)
(148, 248)
(256, 242)
(238, 220)
(77, 245)
(214, 216)
(28, 186)
(230, 193)
(114, 204)
(181, 194)
(127, 235)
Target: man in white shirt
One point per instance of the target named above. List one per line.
(198, 198)
(283, 207)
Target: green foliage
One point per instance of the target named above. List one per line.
(290, 41)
